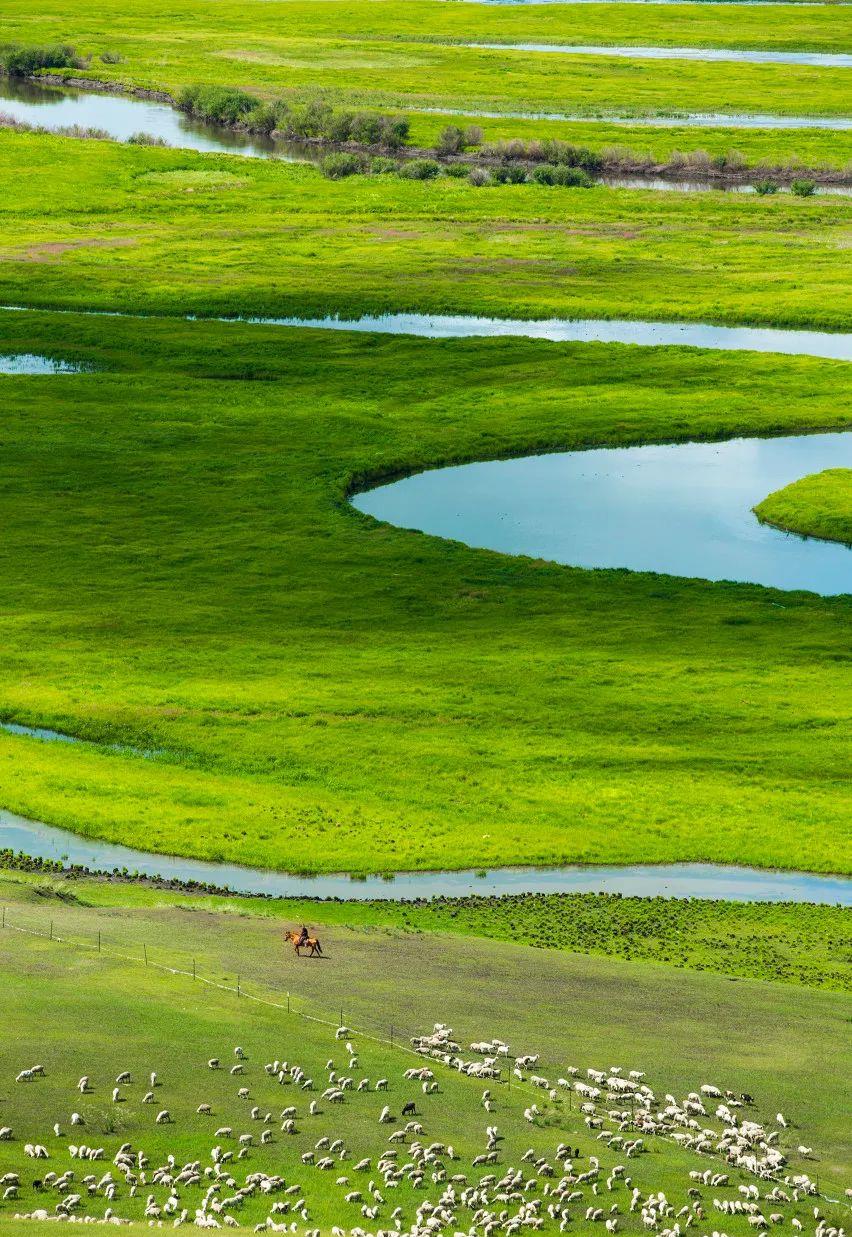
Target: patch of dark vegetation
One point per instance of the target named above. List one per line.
(21, 61)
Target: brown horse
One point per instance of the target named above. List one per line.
(305, 942)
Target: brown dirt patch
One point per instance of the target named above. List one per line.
(48, 250)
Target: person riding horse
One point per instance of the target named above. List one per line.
(303, 936)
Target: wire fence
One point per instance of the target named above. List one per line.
(190, 965)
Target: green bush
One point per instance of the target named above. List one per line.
(24, 61)
(509, 174)
(572, 178)
(344, 163)
(766, 187)
(803, 188)
(479, 177)
(146, 139)
(459, 171)
(545, 174)
(420, 169)
(218, 104)
(382, 166)
(450, 141)
(110, 58)
(472, 135)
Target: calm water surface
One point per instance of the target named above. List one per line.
(696, 880)
(30, 363)
(824, 60)
(120, 117)
(692, 120)
(682, 510)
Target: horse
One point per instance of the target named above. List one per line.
(301, 942)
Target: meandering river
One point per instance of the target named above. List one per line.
(713, 55)
(679, 880)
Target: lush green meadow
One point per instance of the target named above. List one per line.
(816, 506)
(782, 1044)
(329, 693)
(408, 54)
(789, 942)
(99, 225)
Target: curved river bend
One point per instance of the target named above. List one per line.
(683, 510)
(686, 880)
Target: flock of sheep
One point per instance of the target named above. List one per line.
(744, 1182)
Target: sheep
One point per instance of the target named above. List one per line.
(163, 1117)
(381, 1084)
(213, 1063)
(204, 1110)
(76, 1119)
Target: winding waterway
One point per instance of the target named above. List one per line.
(680, 880)
(821, 60)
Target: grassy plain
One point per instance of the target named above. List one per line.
(816, 506)
(783, 1044)
(98, 225)
(789, 942)
(393, 54)
(329, 693)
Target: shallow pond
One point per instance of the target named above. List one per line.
(683, 510)
(696, 880)
(121, 117)
(31, 363)
(823, 60)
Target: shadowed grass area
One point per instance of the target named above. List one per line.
(816, 506)
(329, 693)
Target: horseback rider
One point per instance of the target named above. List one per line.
(303, 936)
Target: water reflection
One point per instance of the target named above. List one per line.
(683, 510)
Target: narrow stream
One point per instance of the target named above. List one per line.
(822, 60)
(677, 880)
(691, 120)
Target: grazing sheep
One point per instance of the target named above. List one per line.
(163, 1117)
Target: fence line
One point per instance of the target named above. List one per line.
(240, 992)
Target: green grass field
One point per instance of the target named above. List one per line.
(816, 506)
(104, 226)
(328, 693)
(407, 54)
(783, 1045)
(787, 942)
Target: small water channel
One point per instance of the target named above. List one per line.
(679, 880)
(682, 510)
(821, 60)
(31, 363)
(690, 120)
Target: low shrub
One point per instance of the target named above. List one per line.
(460, 171)
(342, 164)
(479, 177)
(146, 139)
(382, 166)
(509, 174)
(766, 187)
(573, 178)
(472, 135)
(450, 141)
(218, 104)
(111, 58)
(24, 61)
(420, 169)
(545, 174)
(803, 188)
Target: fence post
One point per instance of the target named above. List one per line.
(193, 968)
(391, 1037)
(99, 940)
(145, 952)
(238, 985)
(288, 1002)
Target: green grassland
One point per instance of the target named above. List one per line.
(400, 56)
(397, 55)
(816, 506)
(79, 1011)
(104, 226)
(329, 693)
(790, 942)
